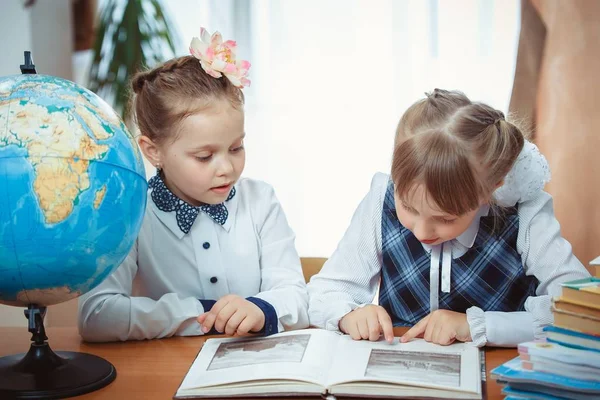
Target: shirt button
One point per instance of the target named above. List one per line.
(206, 245)
(213, 279)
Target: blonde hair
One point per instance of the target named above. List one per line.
(165, 95)
(458, 149)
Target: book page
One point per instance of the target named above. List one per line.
(416, 363)
(302, 355)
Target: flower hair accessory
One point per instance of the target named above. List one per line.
(218, 58)
(526, 179)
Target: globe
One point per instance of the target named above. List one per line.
(72, 190)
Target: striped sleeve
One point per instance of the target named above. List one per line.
(350, 277)
(549, 257)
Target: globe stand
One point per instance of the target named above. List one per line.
(44, 374)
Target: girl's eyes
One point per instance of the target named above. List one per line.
(207, 158)
(409, 209)
(442, 220)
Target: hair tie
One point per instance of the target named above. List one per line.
(526, 178)
(138, 83)
(218, 58)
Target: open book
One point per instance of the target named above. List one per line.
(318, 362)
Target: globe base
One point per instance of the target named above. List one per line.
(44, 374)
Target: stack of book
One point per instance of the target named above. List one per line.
(577, 310)
(567, 363)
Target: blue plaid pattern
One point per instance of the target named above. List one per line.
(490, 275)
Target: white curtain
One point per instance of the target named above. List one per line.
(331, 78)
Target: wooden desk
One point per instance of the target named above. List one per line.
(154, 369)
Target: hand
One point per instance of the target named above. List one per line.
(233, 315)
(368, 322)
(441, 327)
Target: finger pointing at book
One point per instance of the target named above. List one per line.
(441, 327)
(368, 322)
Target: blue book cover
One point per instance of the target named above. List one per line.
(561, 356)
(512, 371)
(573, 339)
(525, 394)
(591, 284)
(551, 391)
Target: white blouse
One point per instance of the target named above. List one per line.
(155, 292)
(350, 278)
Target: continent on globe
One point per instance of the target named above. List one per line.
(45, 296)
(59, 149)
(73, 190)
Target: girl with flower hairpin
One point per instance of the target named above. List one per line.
(215, 252)
(461, 238)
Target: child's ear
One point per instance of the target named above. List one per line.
(151, 150)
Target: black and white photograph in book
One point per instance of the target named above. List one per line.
(259, 351)
(415, 366)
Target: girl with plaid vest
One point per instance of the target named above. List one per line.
(461, 239)
(215, 252)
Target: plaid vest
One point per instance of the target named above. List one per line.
(489, 275)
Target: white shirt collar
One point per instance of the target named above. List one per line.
(466, 239)
(170, 221)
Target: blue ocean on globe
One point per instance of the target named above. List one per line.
(72, 190)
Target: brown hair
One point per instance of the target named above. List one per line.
(167, 94)
(458, 149)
